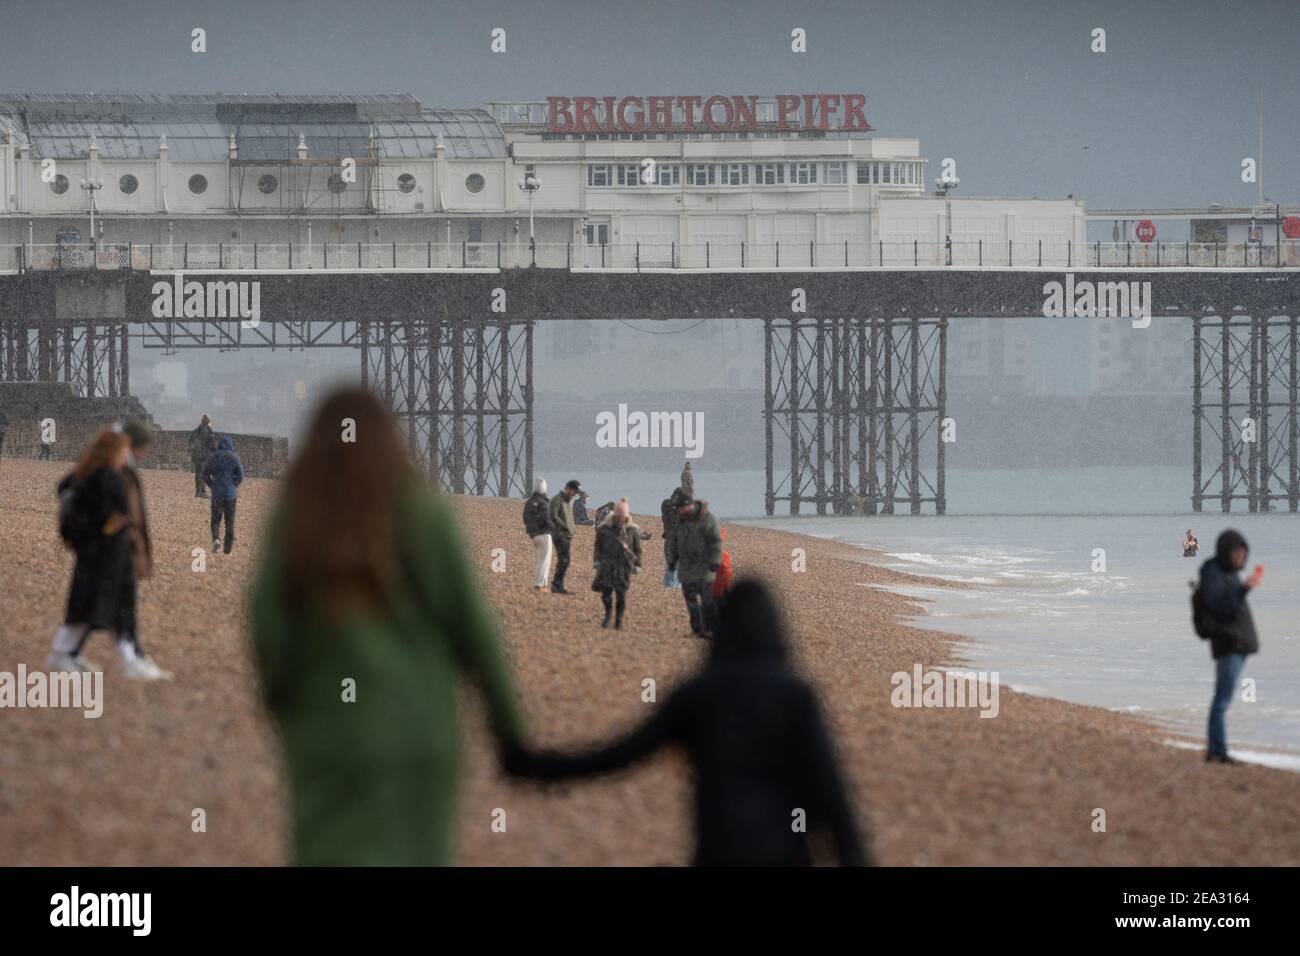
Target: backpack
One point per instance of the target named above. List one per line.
(536, 516)
(1203, 621)
(74, 524)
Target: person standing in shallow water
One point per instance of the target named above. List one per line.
(1233, 636)
(365, 615)
(616, 556)
(758, 744)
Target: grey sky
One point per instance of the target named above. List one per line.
(1008, 88)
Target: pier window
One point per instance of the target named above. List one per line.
(885, 170)
(769, 174)
(803, 174)
(668, 174)
(735, 174)
(701, 174)
(835, 174)
(628, 174)
(599, 174)
(865, 174)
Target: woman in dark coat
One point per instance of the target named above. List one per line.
(102, 595)
(766, 774)
(617, 557)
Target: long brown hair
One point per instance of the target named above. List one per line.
(103, 452)
(341, 537)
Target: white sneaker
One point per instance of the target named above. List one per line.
(142, 668)
(216, 545)
(70, 663)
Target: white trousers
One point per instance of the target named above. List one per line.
(542, 548)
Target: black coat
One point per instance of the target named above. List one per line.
(103, 583)
(1224, 598)
(755, 736)
(617, 552)
(537, 514)
(203, 442)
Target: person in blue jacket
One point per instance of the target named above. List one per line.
(223, 474)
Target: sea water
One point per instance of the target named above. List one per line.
(1045, 613)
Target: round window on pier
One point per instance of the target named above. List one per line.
(268, 184)
(474, 183)
(336, 184)
(406, 183)
(59, 184)
(128, 184)
(198, 184)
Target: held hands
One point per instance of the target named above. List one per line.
(114, 524)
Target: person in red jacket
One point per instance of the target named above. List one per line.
(722, 580)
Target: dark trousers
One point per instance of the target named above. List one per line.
(200, 489)
(562, 553)
(619, 602)
(224, 509)
(699, 605)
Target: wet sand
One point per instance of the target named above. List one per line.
(932, 786)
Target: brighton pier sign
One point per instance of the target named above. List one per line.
(723, 114)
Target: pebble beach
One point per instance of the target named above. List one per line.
(932, 786)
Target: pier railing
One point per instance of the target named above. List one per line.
(711, 255)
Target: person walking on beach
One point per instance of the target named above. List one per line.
(695, 553)
(688, 480)
(722, 580)
(616, 556)
(203, 442)
(1231, 631)
(365, 616)
(1191, 547)
(757, 742)
(562, 532)
(668, 512)
(223, 473)
(94, 520)
(140, 442)
(537, 525)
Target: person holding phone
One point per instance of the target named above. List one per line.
(1233, 636)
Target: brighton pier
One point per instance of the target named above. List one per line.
(855, 384)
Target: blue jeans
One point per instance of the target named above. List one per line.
(1227, 672)
(670, 578)
(699, 605)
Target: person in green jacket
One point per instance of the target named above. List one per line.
(365, 614)
(562, 531)
(694, 551)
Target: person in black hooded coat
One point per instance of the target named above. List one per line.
(102, 594)
(754, 733)
(1233, 637)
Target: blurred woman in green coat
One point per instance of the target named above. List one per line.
(365, 614)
